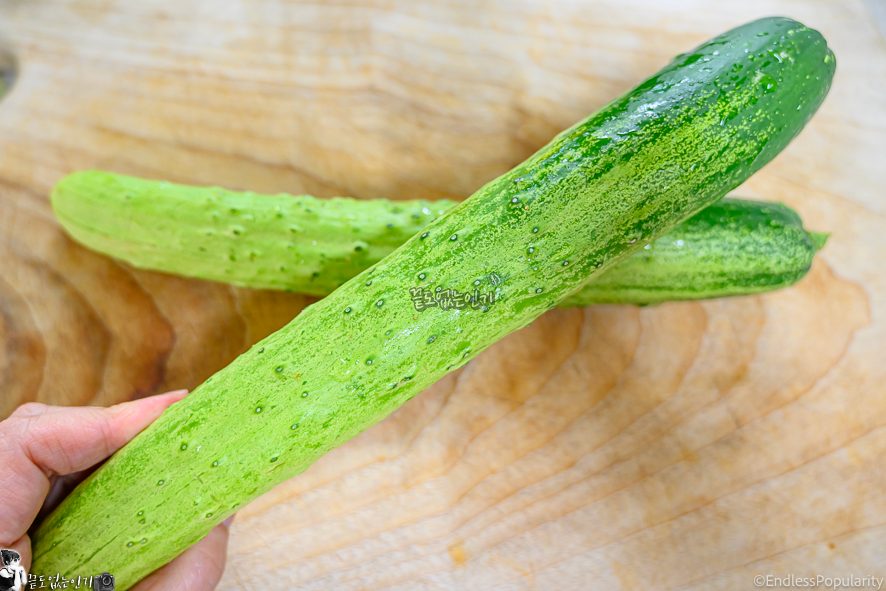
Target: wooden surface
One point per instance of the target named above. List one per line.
(686, 446)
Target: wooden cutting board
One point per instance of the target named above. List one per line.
(692, 445)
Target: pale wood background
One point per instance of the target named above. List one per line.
(687, 446)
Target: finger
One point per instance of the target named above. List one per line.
(199, 568)
(38, 440)
(61, 440)
(23, 547)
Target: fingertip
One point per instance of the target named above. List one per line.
(174, 396)
(158, 402)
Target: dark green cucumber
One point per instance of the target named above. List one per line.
(311, 245)
(733, 247)
(598, 192)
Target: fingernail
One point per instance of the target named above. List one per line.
(227, 522)
(175, 395)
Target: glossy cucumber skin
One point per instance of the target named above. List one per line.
(598, 192)
(734, 247)
(311, 245)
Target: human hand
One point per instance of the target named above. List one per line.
(41, 446)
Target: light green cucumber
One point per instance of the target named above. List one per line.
(312, 245)
(297, 243)
(597, 193)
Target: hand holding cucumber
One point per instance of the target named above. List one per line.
(43, 450)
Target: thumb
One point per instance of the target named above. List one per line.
(61, 440)
(38, 441)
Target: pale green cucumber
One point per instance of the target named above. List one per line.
(312, 245)
(297, 243)
(598, 192)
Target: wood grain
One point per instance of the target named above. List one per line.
(686, 446)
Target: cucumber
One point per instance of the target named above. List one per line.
(312, 245)
(297, 243)
(598, 192)
(734, 247)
